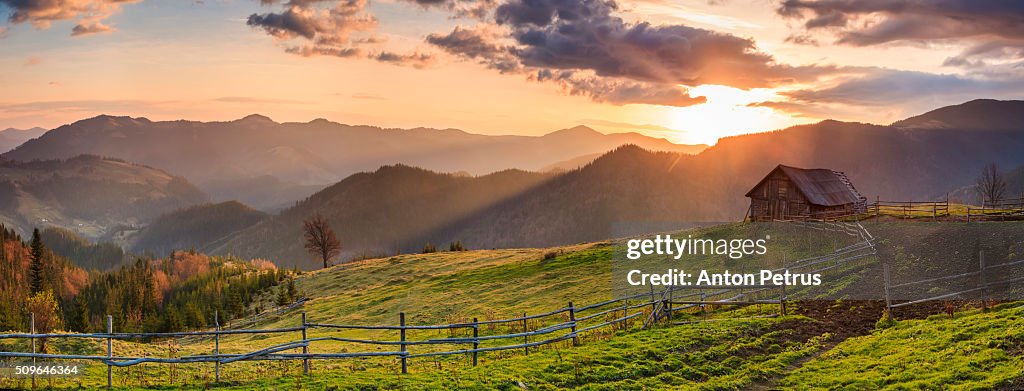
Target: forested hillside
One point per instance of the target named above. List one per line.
(200, 227)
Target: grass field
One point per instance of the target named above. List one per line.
(813, 348)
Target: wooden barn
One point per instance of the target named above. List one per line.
(790, 193)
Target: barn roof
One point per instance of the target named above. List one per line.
(821, 186)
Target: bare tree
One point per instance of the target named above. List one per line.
(320, 239)
(991, 184)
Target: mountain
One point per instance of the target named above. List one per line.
(318, 152)
(10, 138)
(382, 212)
(571, 164)
(90, 195)
(265, 192)
(396, 208)
(984, 114)
(197, 227)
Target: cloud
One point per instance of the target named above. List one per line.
(343, 29)
(887, 89)
(416, 60)
(327, 29)
(987, 26)
(586, 35)
(3, 32)
(617, 91)
(477, 9)
(89, 14)
(585, 48)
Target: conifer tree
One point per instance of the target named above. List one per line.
(36, 269)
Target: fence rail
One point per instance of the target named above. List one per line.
(983, 285)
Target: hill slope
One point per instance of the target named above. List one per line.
(317, 152)
(88, 194)
(382, 212)
(197, 227)
(978, 114)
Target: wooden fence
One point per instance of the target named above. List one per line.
(983, 277)
(909, 209)
(571, 322)
(1005, 209)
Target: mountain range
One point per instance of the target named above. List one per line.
(401, 207)
(235, 159)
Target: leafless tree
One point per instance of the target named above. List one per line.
(991, 184)
(320, 239)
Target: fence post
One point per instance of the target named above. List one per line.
(625, 309)
(654, 306)
(668, 304)
(572, 318)
(32, 330)
(982, 283)
(878, 210)
(526, 338)
(401, 324)
(782, 298)
(305, 349)
(888, 299)
(216, 346)
(110, 350)
(476, 341)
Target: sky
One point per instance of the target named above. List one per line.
(687, 71)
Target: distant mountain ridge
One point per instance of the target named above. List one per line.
(10, 137)
(631, 184)
(318, 152)
(988, 114)
(88, 194)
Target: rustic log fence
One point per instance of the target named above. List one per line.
(614, 314)
(1004, 209)
(909, 209)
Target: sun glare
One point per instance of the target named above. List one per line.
(726, 113)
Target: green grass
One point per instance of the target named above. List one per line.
(973, 351)
(452, 287)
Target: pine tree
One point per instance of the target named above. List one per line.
(36, 269)
(282, 295)
(293, 293)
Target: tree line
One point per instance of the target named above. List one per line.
(179, 292)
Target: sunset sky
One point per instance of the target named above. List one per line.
(689, 71)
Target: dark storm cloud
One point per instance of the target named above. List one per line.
(987, 25)
(588, 50)
(585, 34)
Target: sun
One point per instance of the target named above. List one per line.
(727, 113)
